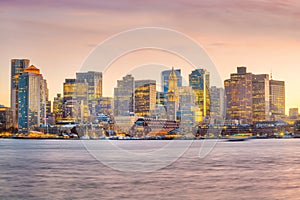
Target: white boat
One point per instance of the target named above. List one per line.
(85, 137)
(103, 138)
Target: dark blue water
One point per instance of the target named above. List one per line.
(53, 169)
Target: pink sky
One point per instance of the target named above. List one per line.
(58, 35)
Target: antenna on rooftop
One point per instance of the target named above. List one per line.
(271, 76)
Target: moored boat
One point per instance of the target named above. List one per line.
(240, 137)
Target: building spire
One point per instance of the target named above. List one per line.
(172, 81)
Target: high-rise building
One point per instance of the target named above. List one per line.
(45, 107)
(48, 102)
(87, 104)
(105, 106)
(124, 96)
(75, 100)
(69, 89)
(29, 99)
(277, 99)
(72, 111)
(17, 68)
(199, 81)
(165, 79)
(217, 103)
(172, 96)
(144, 97)
(160, 111)
(260, 97)
(238, 96)
(58, 107)
(94, 82)
(188, 113)
(6, 121)
(69, 97)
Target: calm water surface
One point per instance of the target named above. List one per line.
(58, 169)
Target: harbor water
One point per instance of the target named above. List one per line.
(65, 169)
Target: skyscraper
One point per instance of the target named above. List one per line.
(5, 118)
(29, 98)
(45, 103)
(172, 96)
(165, 79)
(260, 97)
(58, 107)
(105, 106)
(238, 96)
(217, 103)
(199, 81)
(75, 106)
(144, 97)
(17, 68)
(188, 113)
(94, 82)
(277, 99)
(69, 97)
(124, 96)
(160, 111)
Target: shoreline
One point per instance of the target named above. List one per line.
(133, 139)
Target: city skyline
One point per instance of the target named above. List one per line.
(230, 33)
(83, 79)
(249, 99)
(143, 99)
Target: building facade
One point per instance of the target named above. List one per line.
(94, 83)
(58, 107)
(160, 111)
(105, 106)
(238, 97)
(17, 68)
(217, 103)
(44, 101)
(69, 97)
(29, 98)
(277, 99)
(260, 97)
(75, 100)
(124, 96)
(253, 98)
(199, 81)
(172, 96)
(188, 113)
(6, 118)
(144, 97)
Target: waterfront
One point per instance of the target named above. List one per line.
(60, 169)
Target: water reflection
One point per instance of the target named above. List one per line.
(260, 169)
